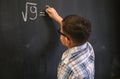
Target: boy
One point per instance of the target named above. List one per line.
(77, 61)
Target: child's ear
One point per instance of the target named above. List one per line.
(68, 41)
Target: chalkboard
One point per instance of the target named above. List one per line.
(26, 36)
(29, 43)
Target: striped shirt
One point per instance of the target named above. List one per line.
(77, 63)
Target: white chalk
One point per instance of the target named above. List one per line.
(47, 6)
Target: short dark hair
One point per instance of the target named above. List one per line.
(78, 28)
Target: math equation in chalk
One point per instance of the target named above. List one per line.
(31, 12)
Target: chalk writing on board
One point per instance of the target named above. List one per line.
(31, 8)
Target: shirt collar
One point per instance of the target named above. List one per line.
(74, 50)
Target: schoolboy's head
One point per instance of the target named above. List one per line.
(76, 28)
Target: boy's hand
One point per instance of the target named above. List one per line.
(54, 15)
(52, 12)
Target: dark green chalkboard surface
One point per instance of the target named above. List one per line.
(29, 43)
(26, 36)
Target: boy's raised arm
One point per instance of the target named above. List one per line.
(54, 15)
